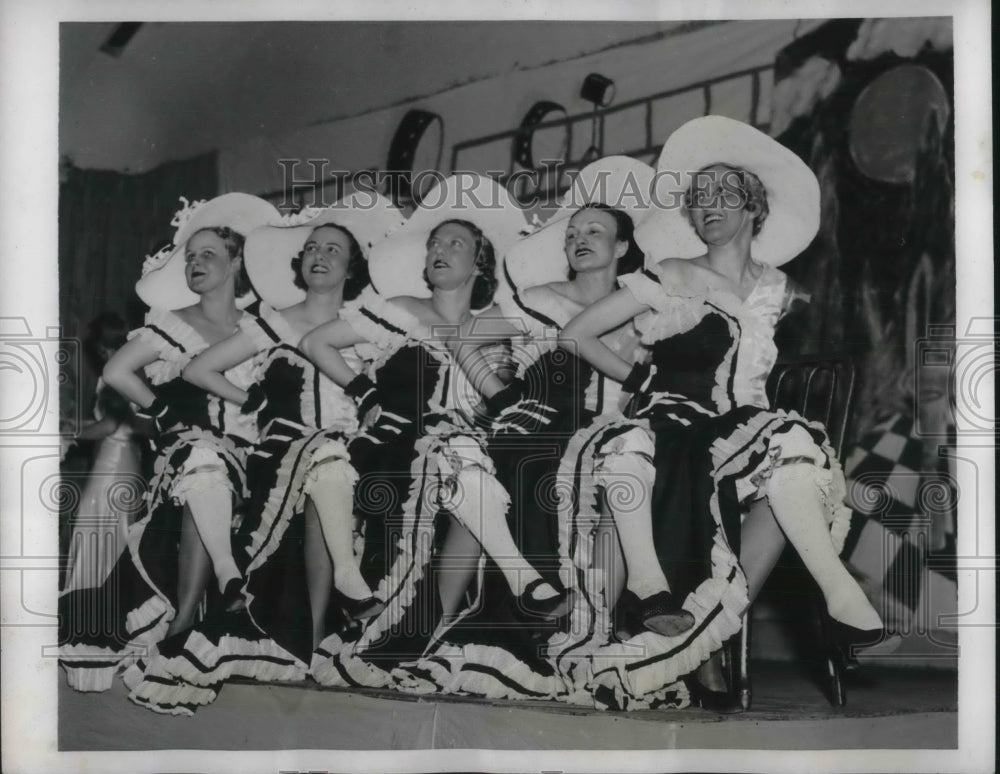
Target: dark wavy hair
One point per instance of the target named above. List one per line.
(234, 246)
(634, 257)
(753, 195)
(485, 284)
(357, 267)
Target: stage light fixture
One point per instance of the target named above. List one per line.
(598, 90)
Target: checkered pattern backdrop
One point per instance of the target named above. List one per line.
(905, 543)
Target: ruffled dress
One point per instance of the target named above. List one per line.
(705, 425)
(420, 459)
(305, 426)
(496, 651)
(106, 628)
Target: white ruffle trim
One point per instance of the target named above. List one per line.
(642, 671)
(675, 309)
(296, 473)
(175, 342)
(389, 316)
(203, 471)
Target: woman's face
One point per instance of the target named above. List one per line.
(718, 208)
(326, 258)
(451, 257)
(207, 264)
(592, 242)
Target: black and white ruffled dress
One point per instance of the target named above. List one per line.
(712, 443)
(421, 458)
(305, 427)
(496, 651)
(107, 628)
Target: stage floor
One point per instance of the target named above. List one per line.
(887, 708)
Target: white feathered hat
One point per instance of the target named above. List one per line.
(163, 283)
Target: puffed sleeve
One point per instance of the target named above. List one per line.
(673, 309)
(379, 320)
(267, 328)
(646, 287)
(169, 335)
(174, 340)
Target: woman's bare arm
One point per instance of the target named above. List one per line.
(121, 371)
(323, 344)
(208, 369)
(581, 335)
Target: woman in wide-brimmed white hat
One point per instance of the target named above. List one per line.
(421, 456)
(296, 542)
(202, 441)
(707, 306)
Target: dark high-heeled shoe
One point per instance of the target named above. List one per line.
(555, 608)
(850, 642)
(659, 613)
(722, 702)
(232, 596)
(359, 609)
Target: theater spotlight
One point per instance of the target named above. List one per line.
(598, 90)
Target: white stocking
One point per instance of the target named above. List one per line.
(212, 511)
(333, 495)
(796, 502)
(626, 472)
(472, 495)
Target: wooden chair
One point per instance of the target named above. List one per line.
(820, 389)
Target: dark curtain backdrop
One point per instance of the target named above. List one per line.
(108, 223)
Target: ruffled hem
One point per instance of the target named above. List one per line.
(488, 671)
(336, 663)
(436, 477)
(398, 588)
(173, 697)
(91, 669)
(204, 663)
(756, 437)
(640, 672)
(149, 622)
(203, 471)
(296, 472)
(170, 463)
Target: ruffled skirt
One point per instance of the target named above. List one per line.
(106, 628)
(708, 468)
(271, 639)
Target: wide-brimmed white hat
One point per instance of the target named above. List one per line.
(396, 264)
(792, 190)
(617, 181)
(163, 283)
(269, 249)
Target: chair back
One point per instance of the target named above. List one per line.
(821, 389)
